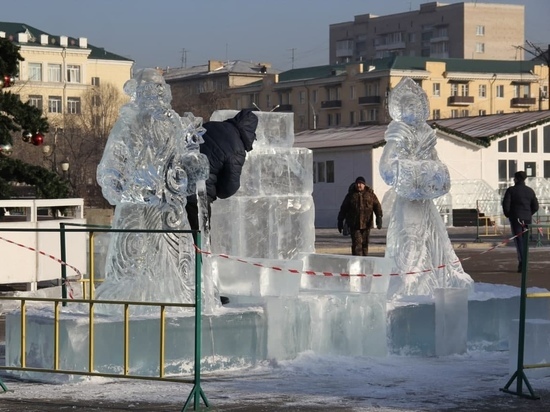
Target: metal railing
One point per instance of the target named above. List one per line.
(196, 393)
(519, 375)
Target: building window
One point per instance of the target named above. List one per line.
(253, 100)
(54, 73)
(323, 172)
(302, 97)
(284, 98)
(352, 92)
(73, 73)
(436, 114)
(522, 90)
(372, 89)
(480, 30)
(482, 113)
(73, 105)
(480, 47)
(436, 89)
(464, 89)
(329, 119)
(95, 81)
(372, 115)
(506, 170)
(500, 91)
(482, 90)
(454, 113)
(509, 145)
(330, 171)
(333, 93)
(314, 96)
(546, 139)
(35, 72)
(268, 101)
(35, 101)
(54, 104)
(301, 122)
(530, 141)
(464, 113)
(96, 100)
(352, 118)
(546, 166)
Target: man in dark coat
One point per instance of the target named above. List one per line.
(519, 205)
(225, 145)
(357, 209)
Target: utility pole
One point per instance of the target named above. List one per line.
(292, 58)
(183, 58)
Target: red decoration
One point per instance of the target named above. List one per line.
(37, 139)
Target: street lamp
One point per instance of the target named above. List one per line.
(51, 150)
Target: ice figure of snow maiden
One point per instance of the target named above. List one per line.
(417, 240)
(150, 165)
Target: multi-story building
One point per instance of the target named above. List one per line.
(58, 70)
(205, 88)
(356, 94)
(461, 30)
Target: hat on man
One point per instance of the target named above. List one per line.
(360, 179)
(521, 175)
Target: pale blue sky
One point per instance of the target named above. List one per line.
(154, 33)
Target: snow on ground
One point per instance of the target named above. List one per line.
(359, 383)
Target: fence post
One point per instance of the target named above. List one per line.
(63, 265)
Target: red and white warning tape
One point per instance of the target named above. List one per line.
(335, 274)
(71, 292)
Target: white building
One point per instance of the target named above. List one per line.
(490, 148)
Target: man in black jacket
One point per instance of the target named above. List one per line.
(519, 205)
(225, 145)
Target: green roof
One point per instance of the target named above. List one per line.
(413, 63)
(12, 30)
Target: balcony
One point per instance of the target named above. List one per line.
(523, 101)
(331, 104)
(283, 108)
(370, 100)
(460, 100)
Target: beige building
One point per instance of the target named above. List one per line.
(470, 30)
(57, 70)
(355, 94)
(206, 88)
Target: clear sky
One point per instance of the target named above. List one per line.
(176, 32)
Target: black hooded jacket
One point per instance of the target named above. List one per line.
(520, 202)
(225, 145)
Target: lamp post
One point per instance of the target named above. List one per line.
(51, 150)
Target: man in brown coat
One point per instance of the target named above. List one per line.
(357, 209)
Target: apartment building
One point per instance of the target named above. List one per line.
(355, 94)
(462, 30)
(57, 70)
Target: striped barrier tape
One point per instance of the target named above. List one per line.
(71, 292)
(335, 274)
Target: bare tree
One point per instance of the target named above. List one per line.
(539, 54)
(84, 137)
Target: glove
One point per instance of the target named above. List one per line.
(340, 227)
(378, 222)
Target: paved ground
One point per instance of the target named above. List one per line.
(495, 266)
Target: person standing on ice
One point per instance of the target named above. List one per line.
(356, 210)
(519, 205)
(417, 240)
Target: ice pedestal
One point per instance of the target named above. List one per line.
(412, 325)
(353, 265)
(536, 346)
(238, 337)
(451, 321)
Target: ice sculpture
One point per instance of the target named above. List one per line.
(417, 240)
(150, 164)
